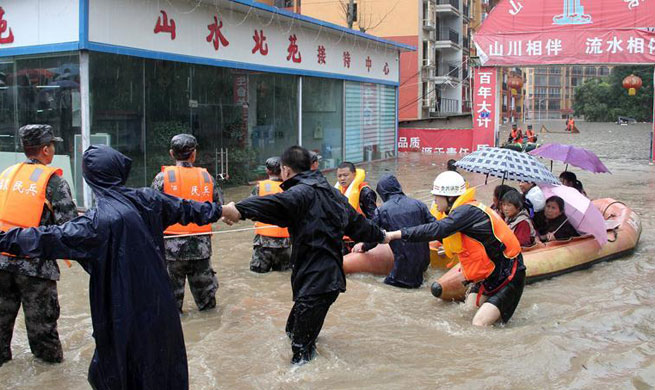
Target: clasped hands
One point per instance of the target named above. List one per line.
(388, 237)
(230, 214)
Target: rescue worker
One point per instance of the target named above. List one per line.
(411, 259)
(570, 124)
(450, 165)
(489, 253)
(271, 245)
(515, 135)
(33, 194)
(120, 243)
(351, 183)
(317, 216)
(530, 134)
(189, 257)
(315, 159)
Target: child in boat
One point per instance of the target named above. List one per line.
(489, 253)
(555, 225)
(517, 218)
(499, 191)
(569, 179)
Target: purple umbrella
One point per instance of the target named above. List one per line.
(579, 210)
(569, 154)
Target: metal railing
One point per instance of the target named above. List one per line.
(445, 106)
(448, 34)
(454, 3)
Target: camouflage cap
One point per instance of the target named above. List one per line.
(183, 144)
(37, 135)
(273, 165)
(314, 157)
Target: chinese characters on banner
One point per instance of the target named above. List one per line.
(435, 141)
(260, 43)
(215, 35)
(484, 107)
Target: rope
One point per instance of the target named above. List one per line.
(218, 232)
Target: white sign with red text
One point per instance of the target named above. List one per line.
(232, 32)
(41, 22)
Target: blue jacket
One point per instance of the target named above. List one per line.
(136, 325)
(400, 211)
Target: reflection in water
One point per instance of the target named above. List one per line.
(587, 329)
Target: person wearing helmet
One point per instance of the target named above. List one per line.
(515, 135)
(271, 246)
(189, 257)
(488, 251)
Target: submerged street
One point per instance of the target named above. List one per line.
(591, 328)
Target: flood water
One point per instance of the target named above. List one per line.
(589, 329)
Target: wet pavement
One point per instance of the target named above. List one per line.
(589, 329)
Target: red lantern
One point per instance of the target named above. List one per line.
(515, 83)
(632, 83)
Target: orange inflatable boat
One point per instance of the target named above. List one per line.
(544, 261)
(377, 261)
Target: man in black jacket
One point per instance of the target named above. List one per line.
(411, 259)
(317, 216)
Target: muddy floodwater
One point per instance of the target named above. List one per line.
(593, 328)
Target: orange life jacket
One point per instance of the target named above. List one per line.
(22, 194)
(190, 183)
(530, 134)
(516, 135)
(268, 187)
(476, 264)
(355, 197)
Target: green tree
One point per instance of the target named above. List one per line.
(605, 99)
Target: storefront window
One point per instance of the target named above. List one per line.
(322, 119)
(42, 90)
(240, 118)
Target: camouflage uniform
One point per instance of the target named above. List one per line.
(33, 282)
(269, 253)
(190, 257)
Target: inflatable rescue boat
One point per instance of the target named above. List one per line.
(546, 260)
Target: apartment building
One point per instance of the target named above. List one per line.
(549, 91)
(433, 80)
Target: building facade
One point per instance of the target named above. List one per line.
(434, 79)
(550, 91)
(247, 79)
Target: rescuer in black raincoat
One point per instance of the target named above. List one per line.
(411, 259)
(136, 325)
(317, 216)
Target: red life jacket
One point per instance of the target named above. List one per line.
(268, 187)
(190, 183)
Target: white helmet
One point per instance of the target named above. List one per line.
(449, 183)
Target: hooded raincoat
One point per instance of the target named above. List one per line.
(411, 259)
(136, 325)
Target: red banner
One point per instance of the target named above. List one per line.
(546, 32)
(435, 141)
(484, 107)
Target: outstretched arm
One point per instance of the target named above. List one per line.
(76, 240)
(277, 209)
(178, 210)
(361, 229)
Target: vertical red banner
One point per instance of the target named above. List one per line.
(240, 98)
(652, 146)
(484, 107)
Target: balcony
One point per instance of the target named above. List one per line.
(447, 38)
(448, 73)
(443, 106)
(448, 8)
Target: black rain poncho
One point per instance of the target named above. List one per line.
(136, 325)
(317, 216)
(411, 259)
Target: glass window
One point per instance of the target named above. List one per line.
(42, 90)
(322, 119)
(240, 118)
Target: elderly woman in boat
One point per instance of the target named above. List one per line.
(555, 224)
